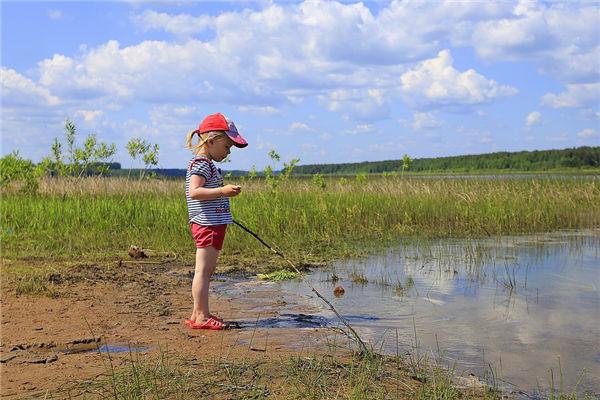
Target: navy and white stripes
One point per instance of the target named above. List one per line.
(206, 212)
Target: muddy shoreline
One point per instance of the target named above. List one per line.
(50, 342)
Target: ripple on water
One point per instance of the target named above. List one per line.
(515, 307)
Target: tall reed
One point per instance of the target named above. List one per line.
(100, 218)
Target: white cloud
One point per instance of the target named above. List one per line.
(513, 37)
(18, 90)
(361, 129)
(366, 105)
(184, 110)
(54, 14)
(561, 36)
(174, 120)
(587, 133)
(299, 126)
(577, 95)
(89, 115)
(435, 82)
(262, 144)
(425, 121)
(326, 29)
(343, 53)
(344, 47)
(137, 128)
(67, 77)
(285, 52)
(533, 118)
(569, 64)
(179, 25)
(156, 71)
(259, 109)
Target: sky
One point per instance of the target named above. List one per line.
(320, 81)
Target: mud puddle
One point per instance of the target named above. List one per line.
(49, 352)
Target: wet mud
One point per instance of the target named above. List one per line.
(136, 308)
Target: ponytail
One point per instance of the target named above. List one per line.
(204, 137)
(188, 141)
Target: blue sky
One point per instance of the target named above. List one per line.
(322, 81)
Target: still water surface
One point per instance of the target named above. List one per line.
(505, 309)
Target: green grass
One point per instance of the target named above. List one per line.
(145, 378)
(36, 284)
(300, 376)
(318, 376)
(358, 278)
(99, 218)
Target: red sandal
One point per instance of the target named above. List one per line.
(189, 322)
(213, 316)
(211, 323)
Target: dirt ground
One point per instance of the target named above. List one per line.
(45, 341)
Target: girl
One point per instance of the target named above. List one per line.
(208, 207)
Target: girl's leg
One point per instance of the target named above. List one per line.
(206, 262)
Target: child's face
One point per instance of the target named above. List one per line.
(220, 148)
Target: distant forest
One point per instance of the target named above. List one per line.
(537, 160)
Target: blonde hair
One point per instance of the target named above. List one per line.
(196, 148)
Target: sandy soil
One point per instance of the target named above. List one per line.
(43, 340)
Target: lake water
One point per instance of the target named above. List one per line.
(506, 309)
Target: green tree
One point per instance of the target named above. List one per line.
(273, 179)
(138, 147)
(92, 158)
(406, 161)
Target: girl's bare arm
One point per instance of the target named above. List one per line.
(197, 192)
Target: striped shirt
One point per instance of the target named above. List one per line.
(206, 212)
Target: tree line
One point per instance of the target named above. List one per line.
(537, 160)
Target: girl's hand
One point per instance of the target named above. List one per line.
(231, 190)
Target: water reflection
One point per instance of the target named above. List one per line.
(512, 306)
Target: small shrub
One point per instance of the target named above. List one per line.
(319, 181)
(35, 285)
(361, 177)
(15, 169)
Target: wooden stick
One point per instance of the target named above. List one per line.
(355, 335)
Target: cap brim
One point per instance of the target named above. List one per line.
(238, 140)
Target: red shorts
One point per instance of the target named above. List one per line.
(206, 236)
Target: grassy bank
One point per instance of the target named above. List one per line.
(98, 218)
(329, 375)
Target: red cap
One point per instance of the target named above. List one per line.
(219, 122)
